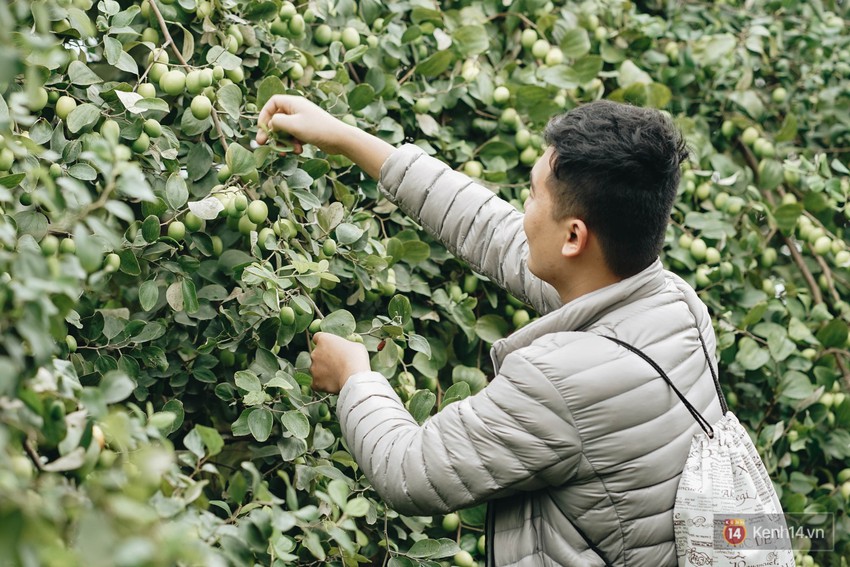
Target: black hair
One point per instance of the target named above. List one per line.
(617, 167)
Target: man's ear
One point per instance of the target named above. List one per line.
(576, 237)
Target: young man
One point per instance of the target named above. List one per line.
(577, 444)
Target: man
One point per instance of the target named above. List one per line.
(576, 443)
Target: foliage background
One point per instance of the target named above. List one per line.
(154, 399)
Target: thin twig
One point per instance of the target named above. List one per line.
(827, 273)
(170, 41)
(817, 296)
(407, 75)
(33, 455)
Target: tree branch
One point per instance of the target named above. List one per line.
(817, 296)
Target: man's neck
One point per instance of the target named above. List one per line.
(584, 282)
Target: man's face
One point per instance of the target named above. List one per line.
(545, 234)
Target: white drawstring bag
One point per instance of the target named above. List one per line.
(727, 513)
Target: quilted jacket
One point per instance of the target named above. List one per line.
(577, 444)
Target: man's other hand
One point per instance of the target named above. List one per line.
(303, 121)
(335, 359)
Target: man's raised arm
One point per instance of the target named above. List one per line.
(470, 220)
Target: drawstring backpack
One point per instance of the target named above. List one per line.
(725, 498)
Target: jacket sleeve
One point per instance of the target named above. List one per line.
(516, 434)
(472, 222)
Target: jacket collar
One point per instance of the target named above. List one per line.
(583, 311)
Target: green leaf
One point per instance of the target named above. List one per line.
(419, 344)
(347, 233)
(833, 334)
(338, 490)
(435, 64)
(247, 380)
(148, 295)
(491, 328)
(79, 74)
(455, 392)
(190, 297)
(575, 43)
(116, 387)
(416, 251)
(229, 98)
(357, 507)
(400, 307)
(218, 55)
(269, 87)
(260, 424)
(339, 322)
(750, 355)
(770, 174)
(129, 262)
(296, 423)
(471, 40)
(84, 115)
(421, 404)
(176, 192)
(239, 160)
(211, 438)
(476, 379)
(361, 96)
(795, 386)
(499, 156)
(786, 216)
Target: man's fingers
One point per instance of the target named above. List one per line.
(276, 106)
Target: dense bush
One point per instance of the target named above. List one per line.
(161, 276)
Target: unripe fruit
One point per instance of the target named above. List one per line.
(176, 230)
(141, 143)
(173, 82)
(264, 235)
(67, 246)
(528, 37)
(49, 245)
(315, 326)
(245, 226)
(702, 276)
(822, 245)
(522, 139)
(64, 106)
(55, 170)
(287, 11)
(297, 26)
(194, 84)
(71, 343)
(698, 249)
(329, 247)
(540, 48)
(501, 95)
(201, 107)
(218, 245)
(240, 202)
(463, 559)
(779, 95)
(750, 136)
(554, 57)
(193, 222)
(685, 240)
(601, 33)
(528, 156)
(7, 159)
(451, 522)
(422, 105)
(350, 38)
(218, 73)
(236, 75)
(296, 72)
(39, 100)
(520, 318)
(712, 256)
(156, 72)
(158, 55)
(510, 117)
(112, 262)
(258, 211)
(323, 35)
(763, 148)
(768, 257)
(111, 131)
(150, 35)
(287, 315)
(152, 128)
(728, 129)
(481, 546)
(473, 168)
(146, 90)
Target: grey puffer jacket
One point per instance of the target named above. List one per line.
(577, 443)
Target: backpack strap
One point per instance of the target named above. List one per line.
(701, 421)
(723, 406)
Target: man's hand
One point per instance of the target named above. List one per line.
(305, 122)
(335, 359)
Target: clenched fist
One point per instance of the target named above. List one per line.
(335, 359)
